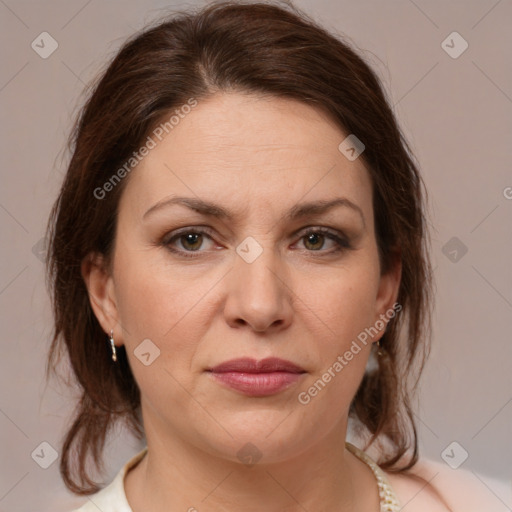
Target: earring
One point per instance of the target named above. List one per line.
(114, 355)
(380, 350)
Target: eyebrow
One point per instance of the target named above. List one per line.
(298, 211)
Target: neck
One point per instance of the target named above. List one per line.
(178, 475)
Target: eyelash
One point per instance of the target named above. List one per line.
(341, 242)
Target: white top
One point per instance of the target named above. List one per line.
(463, 490)
(112, 498)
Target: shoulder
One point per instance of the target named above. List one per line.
(431, 486)
(417, 493)
(112, 498)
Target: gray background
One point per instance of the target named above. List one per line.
(455, 111)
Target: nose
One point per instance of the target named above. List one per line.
(259, 295)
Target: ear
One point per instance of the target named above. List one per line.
(101, 290)
(389, 286)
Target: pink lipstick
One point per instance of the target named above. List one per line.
(257, 378)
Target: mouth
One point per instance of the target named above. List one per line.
(257, 378)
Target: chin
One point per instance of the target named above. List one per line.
(267, 439)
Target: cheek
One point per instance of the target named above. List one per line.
(340, 349)
(343, 302)
(169, 307)
(339, 313)
(153, 307)
(153, 297)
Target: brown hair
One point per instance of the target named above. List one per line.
(245, 47)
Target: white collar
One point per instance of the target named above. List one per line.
(112, 498)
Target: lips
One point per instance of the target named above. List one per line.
(247, 365)
(257, 378)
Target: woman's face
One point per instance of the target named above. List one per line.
(193, 289)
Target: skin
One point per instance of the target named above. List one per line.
(257, 157)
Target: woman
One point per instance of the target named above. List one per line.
(239, 265)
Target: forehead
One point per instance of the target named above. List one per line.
(250, 152)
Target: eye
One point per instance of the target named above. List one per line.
(314, 240)
(188, 240)
(190, 243)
